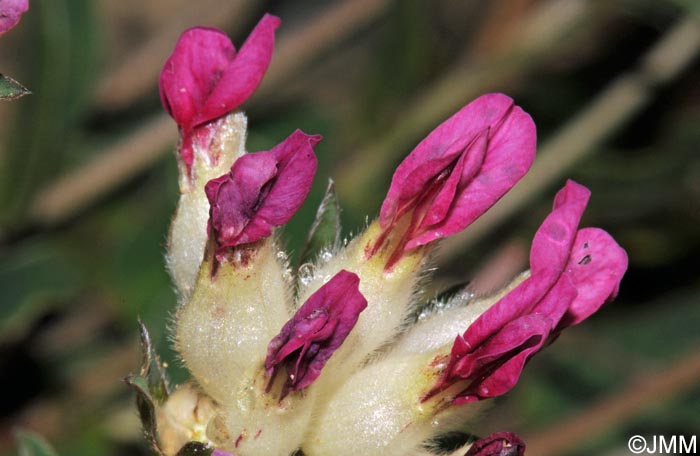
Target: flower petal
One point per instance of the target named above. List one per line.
(263, 190)
(495, 366)
(205, 78)
(595, 267)
(240, 79)
(552, 243)
(498, 444)
(10, 12)
(510, 151)
(316, 330)
(192, 72)
(489, 144)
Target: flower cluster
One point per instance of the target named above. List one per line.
(331, 360)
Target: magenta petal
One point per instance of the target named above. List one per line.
(316, 330)
(461, 169)
(441, 147)
(192, 72)
(205, 79)
(10, 13)
(509, 155)
(240, 79)
(596, 266)
(552, 242)
(234, 196)
(495, 367)
(221, 453)
(262, 191)
(498, 444)
(296, 167)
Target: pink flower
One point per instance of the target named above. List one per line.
(460, 170)
(10, 12)
(205, 78)
(221, 453)
(317, 329)
(572, 273)
(498, 444)
(263, 190)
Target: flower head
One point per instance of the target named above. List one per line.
(263, 190)
(572, 274)
(316, 330)
(10, 12)
(460, 170)
(205, 78)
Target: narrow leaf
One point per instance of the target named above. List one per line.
(325, 230)
(152, 368)
(147, 409)
(32, 444)
(11, 89)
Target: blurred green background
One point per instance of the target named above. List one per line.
(88, 182)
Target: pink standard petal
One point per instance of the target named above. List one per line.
(262, 191)
(240, 79)
(498, 140)
(316, 331)
(510, 151)
(296, 167)
(595, 267)
(10, 13)
(192, 72)
(498, 444)
(552, 243)
(440, 148)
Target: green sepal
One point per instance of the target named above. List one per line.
(325, 231)
(32, 444)
(151, 386)
(147, 409)
(11, 89)
(195, 449)
(152, 368)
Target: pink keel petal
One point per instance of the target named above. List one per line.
(10, 13)
(262, 191)
(494, 367)
(315, 332)
(498, 444)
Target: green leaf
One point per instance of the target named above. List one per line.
(325, 230)
(147, 409)
(151, 386)
(32, 444)
(195, 449)
(152, 368)
(11, 89)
